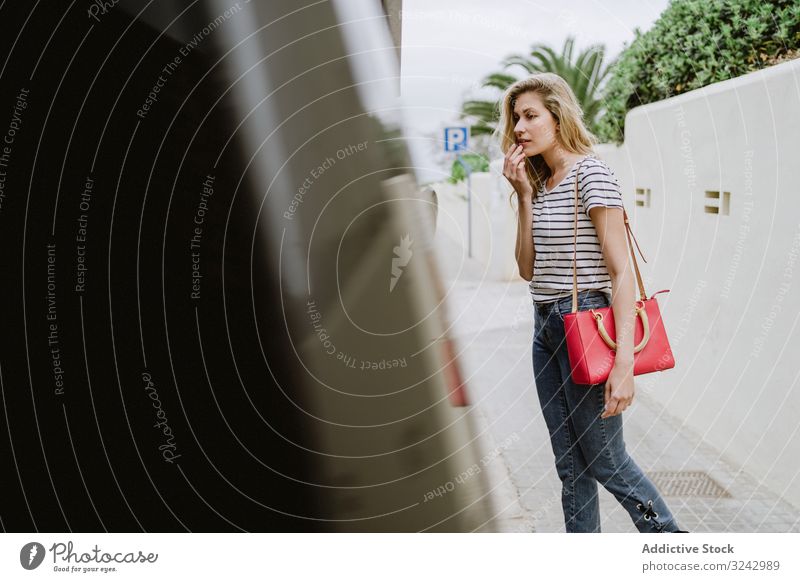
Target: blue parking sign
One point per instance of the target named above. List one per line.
(455, 139)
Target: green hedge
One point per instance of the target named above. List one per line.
(476, 163)
(695, 43)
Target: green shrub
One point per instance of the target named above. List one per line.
(476, 162)
(695, 43)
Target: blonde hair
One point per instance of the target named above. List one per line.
(560, 101)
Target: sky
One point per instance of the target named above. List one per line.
(450, 45)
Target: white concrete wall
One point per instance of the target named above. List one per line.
(494, 221)
(733, 312)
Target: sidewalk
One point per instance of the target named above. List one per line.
(493, 330)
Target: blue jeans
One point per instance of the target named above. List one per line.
(587, 448)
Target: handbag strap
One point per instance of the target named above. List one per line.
(630, 235)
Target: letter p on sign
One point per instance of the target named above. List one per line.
(455, 139)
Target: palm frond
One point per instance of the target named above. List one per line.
(485, 110)
(499, 80)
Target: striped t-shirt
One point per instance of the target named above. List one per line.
(553, 228)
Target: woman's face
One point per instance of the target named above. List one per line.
(535, 127)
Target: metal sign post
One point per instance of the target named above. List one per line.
(455, 140)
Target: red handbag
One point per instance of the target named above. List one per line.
(590, 333)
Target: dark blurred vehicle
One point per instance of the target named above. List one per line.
(221, 310)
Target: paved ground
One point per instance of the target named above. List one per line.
(493, 325)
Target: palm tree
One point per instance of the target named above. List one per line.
(584, 75)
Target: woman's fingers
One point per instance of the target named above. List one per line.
(606, 399)
(514, 167)
(516, 158)
(611, 402)
(509, 158)
(521, 167)
(615, 406)
(511, 163)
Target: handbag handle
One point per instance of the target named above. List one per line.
(601, 329)
(629, 233)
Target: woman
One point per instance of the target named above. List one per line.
(546, 144)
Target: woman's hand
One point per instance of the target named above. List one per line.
(514, 171)
(619, 389)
